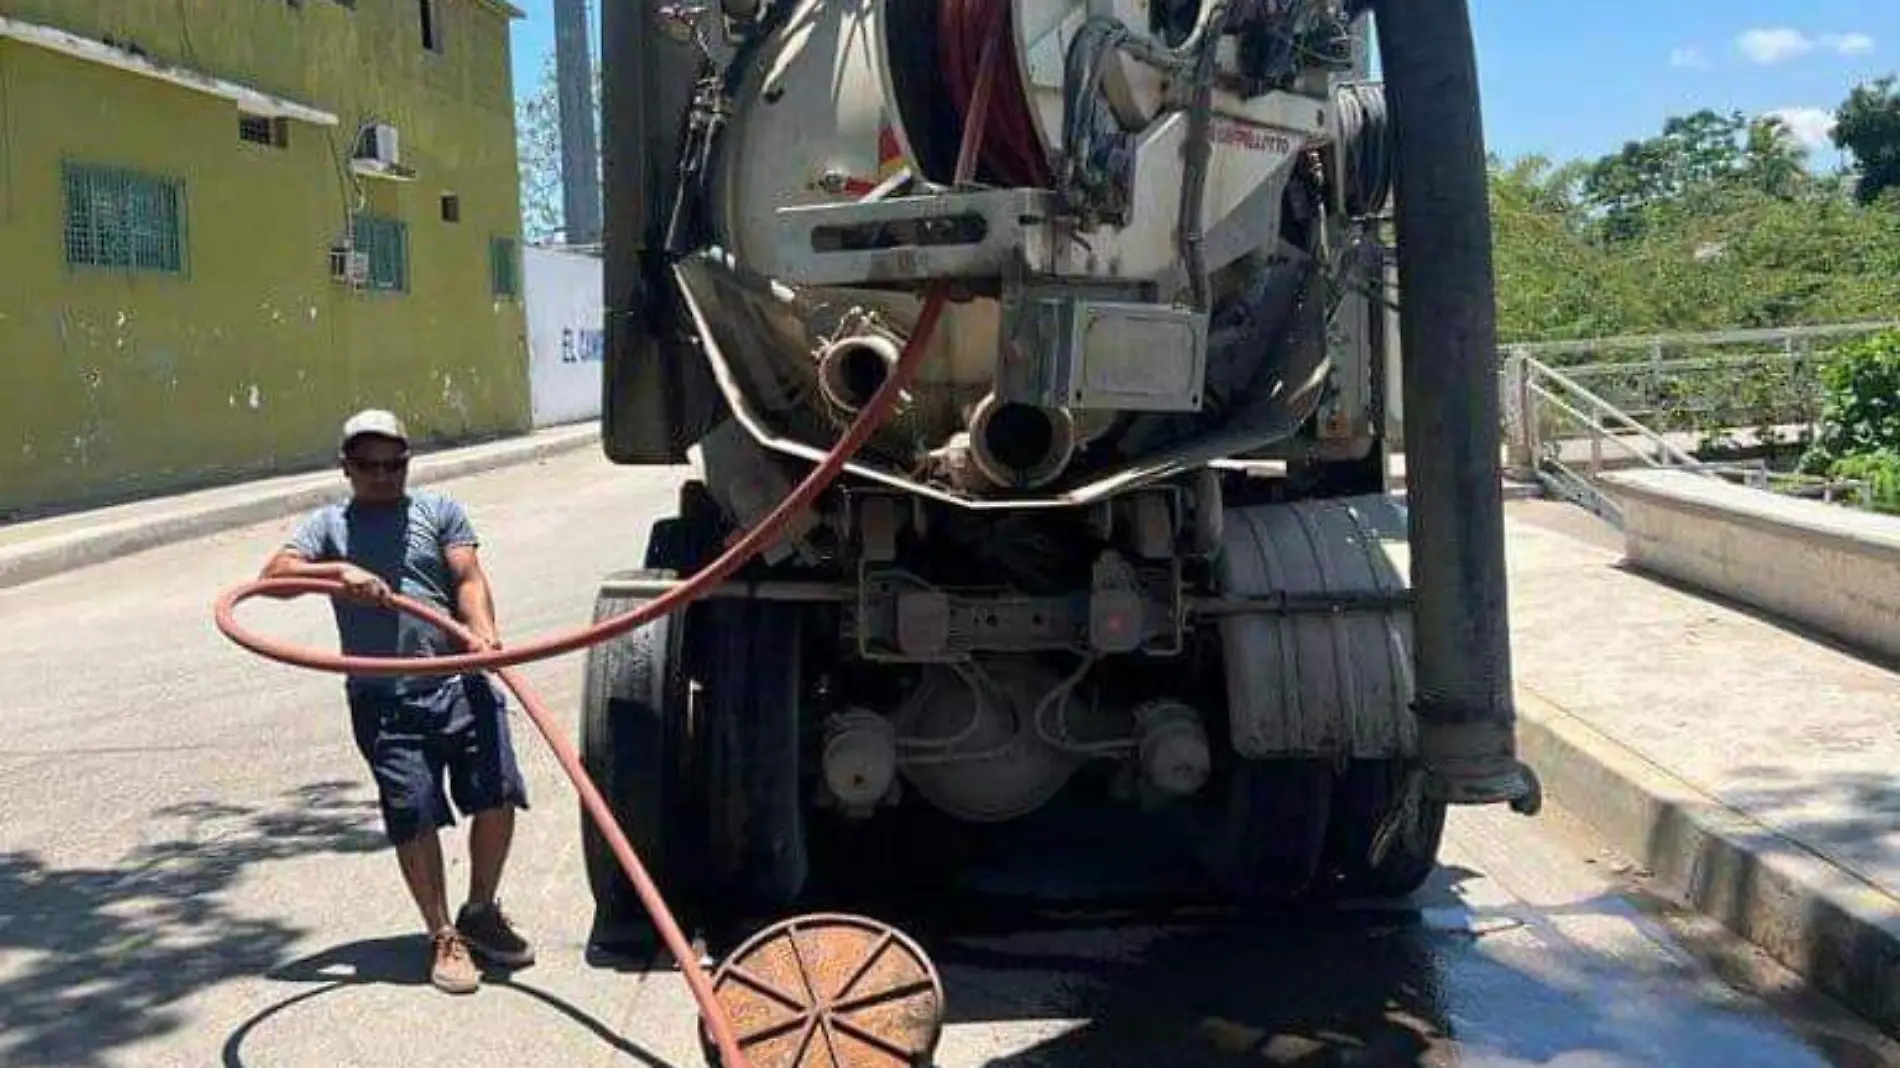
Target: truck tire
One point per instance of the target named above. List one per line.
(635, 744)
(1366, 792)
(750, 724)
(1266, 831)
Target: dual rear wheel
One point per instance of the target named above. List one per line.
(1305, 831)
(689, 727)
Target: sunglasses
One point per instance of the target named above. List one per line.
(388, 467)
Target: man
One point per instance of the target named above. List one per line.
(410, 730)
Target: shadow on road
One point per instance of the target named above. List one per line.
(394, 961)
(107, 954)
(1279, 992)
(1301, 987)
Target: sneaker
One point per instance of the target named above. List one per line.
(491, 934)
(452, 970)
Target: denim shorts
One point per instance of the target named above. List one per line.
(410, 742)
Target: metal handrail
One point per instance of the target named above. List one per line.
(1539, 383)
(1725, 337)
(1531, 384)
(1603, 408)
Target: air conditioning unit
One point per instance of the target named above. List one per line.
(348, 266)
(379, 144)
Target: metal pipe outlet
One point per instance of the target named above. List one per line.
(851, 369)
(1020, 445)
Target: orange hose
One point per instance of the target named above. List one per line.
(502, 661)
(671, 601)
(674, 599)
(735, 556)
(596, 807)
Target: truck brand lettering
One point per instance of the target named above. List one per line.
(1253, 138)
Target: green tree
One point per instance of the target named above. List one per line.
(538, 147)
(1715, 223)
(1868, 126)
(1549, 265)
(1640, 186)
(1774, 161)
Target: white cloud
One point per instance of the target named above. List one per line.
(1849, 44)
(1810, 126)
(1774, 45)
(1779, 44)
(1690, 57)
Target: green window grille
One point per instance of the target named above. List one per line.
(122, 219)
(504, 267)
(386, 244)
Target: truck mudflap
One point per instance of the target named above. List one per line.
(1335, 682)
(655, 395)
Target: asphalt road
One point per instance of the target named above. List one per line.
(190, 874)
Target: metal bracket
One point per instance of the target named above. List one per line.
(915, 239)
(897, 617)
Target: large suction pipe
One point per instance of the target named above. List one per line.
(1020, 446)
(1448, 336)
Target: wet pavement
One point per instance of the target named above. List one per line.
(1531, 946)
(190, 874)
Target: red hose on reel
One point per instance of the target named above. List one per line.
(1011, 149)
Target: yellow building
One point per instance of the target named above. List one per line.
(225, 225)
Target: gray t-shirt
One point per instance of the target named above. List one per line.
(406, 545)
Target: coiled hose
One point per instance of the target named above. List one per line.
(1365, 143)
(698, 585)
(971, 35)
(502, 662)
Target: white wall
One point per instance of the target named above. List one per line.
(565, 339)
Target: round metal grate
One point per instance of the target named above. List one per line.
(831, 991)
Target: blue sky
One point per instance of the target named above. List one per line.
(1569, 78)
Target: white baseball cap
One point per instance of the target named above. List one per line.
(375, 421)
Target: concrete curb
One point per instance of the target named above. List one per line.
(84, 539)
(1835, 928)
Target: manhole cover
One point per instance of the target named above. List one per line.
(830, 991)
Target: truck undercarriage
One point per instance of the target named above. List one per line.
(1126, 542)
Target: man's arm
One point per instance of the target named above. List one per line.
(302, 558)
(474, 599)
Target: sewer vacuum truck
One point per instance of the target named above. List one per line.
(1138, 290)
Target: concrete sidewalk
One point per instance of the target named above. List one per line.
(1753, 770)
(45, 547)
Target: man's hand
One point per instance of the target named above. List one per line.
(361, 587)
(486, 642)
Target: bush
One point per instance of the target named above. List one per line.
(1880, 470)
(1859, 432)
(1860, 397)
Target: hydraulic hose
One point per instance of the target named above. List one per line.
(869, 419)
(501, 662)
(735, 557)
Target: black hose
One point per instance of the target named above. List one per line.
(1448, 334)
(1200, 149)
(1365, 147)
